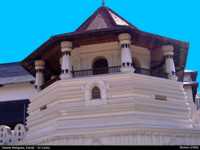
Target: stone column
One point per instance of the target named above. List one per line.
(126, 57)
(168, 51)
(66, 66)
(39, 76)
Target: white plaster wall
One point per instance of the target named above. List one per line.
(187, 77)
(192, 106)
(142, 55)
(130, 103)
(129, 137)
(188, 92)
(18, 91)
(83, 57)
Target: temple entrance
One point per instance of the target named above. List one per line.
(100, 66)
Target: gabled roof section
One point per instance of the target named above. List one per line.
(104, 18)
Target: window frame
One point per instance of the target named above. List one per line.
(95, 93)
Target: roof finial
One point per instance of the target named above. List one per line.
(103, 3)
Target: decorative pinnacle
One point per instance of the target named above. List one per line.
(103, 2)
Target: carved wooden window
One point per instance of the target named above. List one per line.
(96, 93)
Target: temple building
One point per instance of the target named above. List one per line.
(106, 83)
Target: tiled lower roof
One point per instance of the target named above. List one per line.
(14, 73)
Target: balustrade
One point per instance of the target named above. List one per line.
(11, 137)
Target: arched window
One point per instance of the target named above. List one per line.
(100, 66)
(96, 93)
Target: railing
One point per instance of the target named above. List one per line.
(50, 82)
(90, 72)
(112, 70)
(142, 71)
(12, 137)
(108, 70)
(159, 74)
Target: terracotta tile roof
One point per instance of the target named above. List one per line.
(104, 18)
(104, 25)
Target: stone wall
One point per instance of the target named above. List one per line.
(65, 110)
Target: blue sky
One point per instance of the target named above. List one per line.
(26, 24)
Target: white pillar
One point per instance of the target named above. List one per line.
(66, 66)
(126, 57)
(39, 76)
(168, 51)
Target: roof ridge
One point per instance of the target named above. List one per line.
(131, 25)
(11, 63)
(107, 19)
(82, 26)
